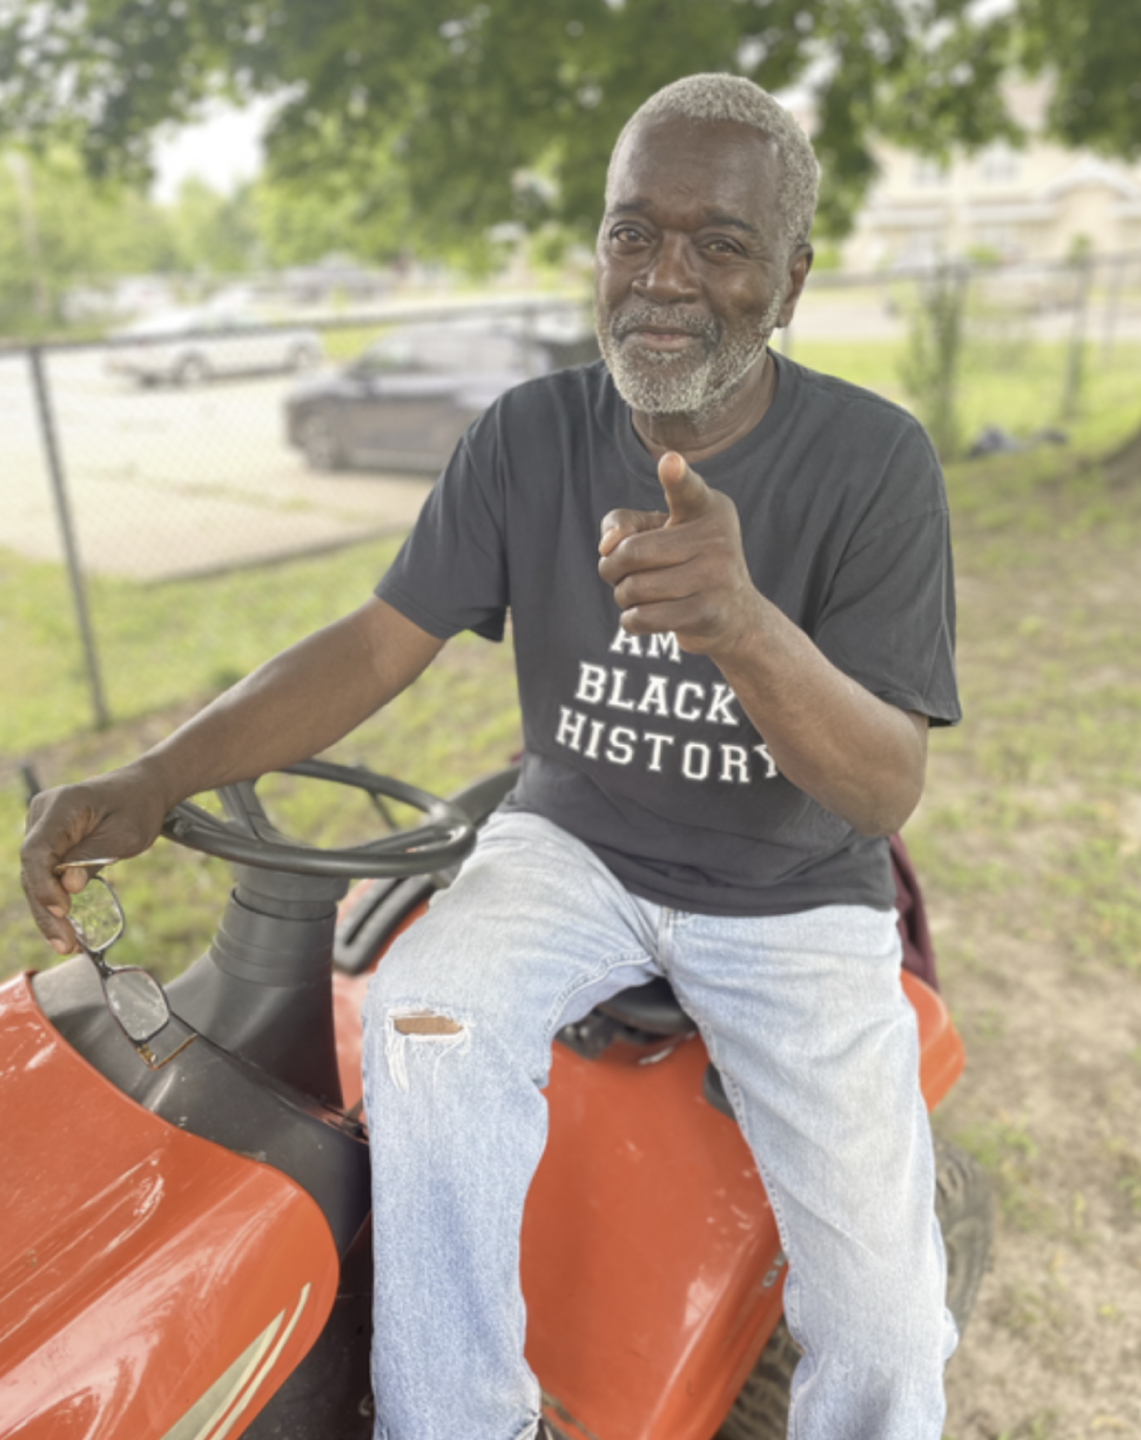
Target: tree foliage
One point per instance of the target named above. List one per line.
(214, 234)
(457, 115)
(932, 361)
(299, 223)
(59, 230)
(1094, 51)
(429, 121)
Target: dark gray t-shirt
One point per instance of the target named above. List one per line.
(629, 743)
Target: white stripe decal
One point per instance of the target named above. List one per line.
(267, 1365)
(206, 1411)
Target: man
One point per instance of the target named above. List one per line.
(725, 708)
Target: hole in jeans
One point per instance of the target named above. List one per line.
(424, 1030)
(423, 1022)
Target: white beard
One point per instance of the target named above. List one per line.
(689, 383)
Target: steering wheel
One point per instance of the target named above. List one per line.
(247, 835)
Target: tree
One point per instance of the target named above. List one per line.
(216, 234)
(1093, 50)
(459, 115)
(58, 229)
(299, 224)
(931, 363)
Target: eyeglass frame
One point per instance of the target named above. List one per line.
(108, 972)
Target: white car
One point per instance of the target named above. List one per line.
(187, 347)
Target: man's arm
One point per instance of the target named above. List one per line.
(855, 754)
(293, 706)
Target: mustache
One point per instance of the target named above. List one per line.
(664, 317)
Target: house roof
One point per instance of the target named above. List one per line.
(1088, 170)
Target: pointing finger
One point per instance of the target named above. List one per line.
(687, 494)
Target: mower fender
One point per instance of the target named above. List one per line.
(152, 1284)
(651, 1261)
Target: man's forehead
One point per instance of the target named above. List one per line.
(654, 143)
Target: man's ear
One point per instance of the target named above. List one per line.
(798, 268)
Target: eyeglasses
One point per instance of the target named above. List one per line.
(134, 997)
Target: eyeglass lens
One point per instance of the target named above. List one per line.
(137, 1002)
(96, 916)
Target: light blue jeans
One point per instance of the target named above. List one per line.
(817, 1046)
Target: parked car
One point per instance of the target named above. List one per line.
(404, 402)
(187, 347)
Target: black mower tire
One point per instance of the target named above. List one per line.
(964, 1203)
(760, 1411)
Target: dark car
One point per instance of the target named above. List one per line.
(404, 402)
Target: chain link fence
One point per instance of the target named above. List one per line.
(149, 460)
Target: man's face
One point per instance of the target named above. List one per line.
(690, 277)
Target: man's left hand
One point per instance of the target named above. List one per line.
(683, 570)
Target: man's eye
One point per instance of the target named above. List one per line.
(626, 234)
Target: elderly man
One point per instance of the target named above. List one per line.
(730, 587)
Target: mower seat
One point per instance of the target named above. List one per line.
(652, 1008)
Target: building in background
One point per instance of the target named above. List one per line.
(1037, 202)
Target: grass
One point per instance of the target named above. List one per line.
(1006, 1148)
(1015, 383)
(1035, 795)
(1041, 781)
(158, 644)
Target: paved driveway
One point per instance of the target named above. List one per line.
(168, 482)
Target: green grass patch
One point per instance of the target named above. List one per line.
(343, 345)
(1009, 1152)
(1015, 385)
(158, 644)
(1033, 798)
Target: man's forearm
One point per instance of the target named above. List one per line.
(294, 706)
(856, 755)
(860, 758)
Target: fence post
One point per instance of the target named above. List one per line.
(67, 533)
(1113, 300)
(1075, 356)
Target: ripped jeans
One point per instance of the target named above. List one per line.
(459, 1022)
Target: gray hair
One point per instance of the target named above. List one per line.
(732, 97)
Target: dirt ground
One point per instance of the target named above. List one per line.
(1053, 1095)
(1029, 839)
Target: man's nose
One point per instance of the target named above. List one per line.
(669, 275)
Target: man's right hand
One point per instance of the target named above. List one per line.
(111, 817)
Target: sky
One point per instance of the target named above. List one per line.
(223, 150)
